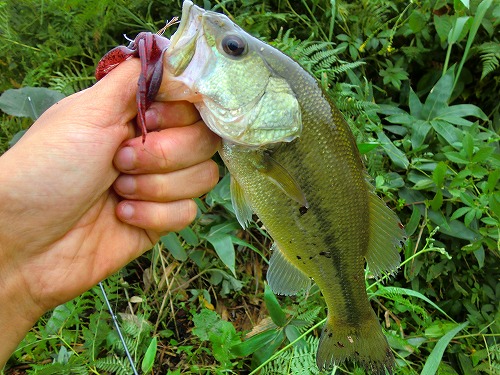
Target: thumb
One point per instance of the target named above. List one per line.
(115, 94)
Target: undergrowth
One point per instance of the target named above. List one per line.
(417, 81)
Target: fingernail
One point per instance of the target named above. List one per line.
(126, 184)
(125, 159)
(127, 211)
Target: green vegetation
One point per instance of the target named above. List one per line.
(418, 82)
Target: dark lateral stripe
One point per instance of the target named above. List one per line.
(331, 253)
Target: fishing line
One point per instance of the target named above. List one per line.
(117, 326)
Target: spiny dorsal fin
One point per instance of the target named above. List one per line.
(278, 175)
(241, 206)
(386, 235)
(283, 277)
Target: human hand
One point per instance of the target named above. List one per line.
(68, 217)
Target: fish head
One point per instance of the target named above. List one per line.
(224, 71)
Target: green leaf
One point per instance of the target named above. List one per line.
(402, 118)
(459, 29)
(415, 104)
(395, 154)
(460, 212)
(224, 228)
(470, 216)
(388, 290)
(254, 343)
(224, 248)
(480, 255)
(455, 120)
(439, 96)
(437, 201)
(419, 132)
(483, 154)
(366, 147)
(412, 224)
(273, 306)
(443, 25)
(462, 110)
(468, 144)
(439, 173)
(417, 21)
(434, 359)
(477, 21)
(456, 157)
(28, 101)
(458, 229)
(189, 236)
(292, 333)
(149, 357)
(172, 243)
(446, 130)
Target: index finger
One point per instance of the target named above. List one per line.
(163, 115)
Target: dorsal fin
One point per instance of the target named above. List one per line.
(386, 235)
(283, 277)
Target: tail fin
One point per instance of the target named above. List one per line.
(365, 345)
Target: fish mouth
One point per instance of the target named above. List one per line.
(180, 67)
(183, 43)
(185, 21)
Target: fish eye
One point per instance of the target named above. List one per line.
(233, 45)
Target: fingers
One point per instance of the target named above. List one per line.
(167, 150)
(157, 217)
(185, 183)
(171, 114)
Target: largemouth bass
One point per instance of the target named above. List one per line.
(294, 162)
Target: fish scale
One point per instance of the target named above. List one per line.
(294, 162)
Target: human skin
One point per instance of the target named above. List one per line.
(82, 195)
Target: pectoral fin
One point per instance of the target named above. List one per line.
(278, 175)
(241, 206)
(386, 235)
(283, 277)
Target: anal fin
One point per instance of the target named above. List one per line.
(283, 277)
(386, 235)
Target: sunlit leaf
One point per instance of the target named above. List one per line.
(172, 243)
(273, 306)
(28, 101)
(224, 248)
(439, 96)
(394, 153)
(434, 359)
(149, 358)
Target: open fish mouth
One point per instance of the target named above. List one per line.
(187, 19)
(183, 43)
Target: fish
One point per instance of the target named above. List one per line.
(294, 163)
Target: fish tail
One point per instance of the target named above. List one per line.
(364, 344)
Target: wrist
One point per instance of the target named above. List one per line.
(17, 316)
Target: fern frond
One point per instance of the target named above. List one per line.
(307, 314)
(71, 81)
(114, 365)
(490, 57)
(296, 360)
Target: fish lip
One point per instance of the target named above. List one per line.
(188, 20)
(186, 7)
